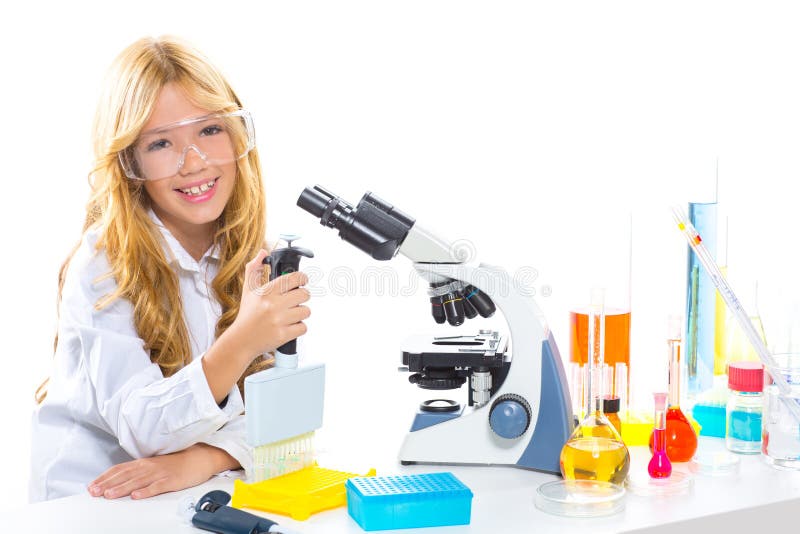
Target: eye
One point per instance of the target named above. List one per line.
(157, 145)
(211, 130)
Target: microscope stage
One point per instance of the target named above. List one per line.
(486, 349)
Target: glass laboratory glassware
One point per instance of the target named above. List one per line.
(576, 373)
(611, 411)
(617, 341)
(736, 345)
(680, 436)
(700, 303)
(743, 411)
(603, 234)
(660, 466)
(780, 429)
(595, 450)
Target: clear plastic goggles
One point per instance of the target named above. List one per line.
(217, 139)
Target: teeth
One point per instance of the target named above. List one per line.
(201, 189)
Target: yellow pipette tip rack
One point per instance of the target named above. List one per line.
(298, 495)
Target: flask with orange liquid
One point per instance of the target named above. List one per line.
(681, 437)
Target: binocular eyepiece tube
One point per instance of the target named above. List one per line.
(379, 229)
(374, 225)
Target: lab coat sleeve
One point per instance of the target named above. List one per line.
(118, 388)
(150, 414)
(231, 439)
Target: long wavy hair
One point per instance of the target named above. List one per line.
(119, 206)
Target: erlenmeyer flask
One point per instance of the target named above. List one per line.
(595, 450)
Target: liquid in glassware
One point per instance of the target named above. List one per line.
(595, 450)
(603, 459)
(659, 465)
(680, 436)
(617, 340)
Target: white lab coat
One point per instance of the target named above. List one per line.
(106, 402)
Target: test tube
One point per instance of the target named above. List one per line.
(674, 362)
(608, 380)
(596, 352)
(576, 381)
(621, 387)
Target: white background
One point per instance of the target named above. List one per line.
(530, 129)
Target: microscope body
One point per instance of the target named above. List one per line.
(518, 413)
(527, 417)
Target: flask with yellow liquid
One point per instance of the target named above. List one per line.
(595, 450)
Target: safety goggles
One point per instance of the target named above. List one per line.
(217, 139)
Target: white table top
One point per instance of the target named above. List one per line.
(503, 502)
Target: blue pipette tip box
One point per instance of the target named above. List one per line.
(408, 501)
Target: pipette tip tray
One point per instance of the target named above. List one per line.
(408, 501)
(299, 494)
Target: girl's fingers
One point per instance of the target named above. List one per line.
(157, 487)
(254, 270)
(287, 282)
(258, 261)
(297, 314)
(126, 487)
(296, 330)
(109, 473)
(108, 478)
(296, 296)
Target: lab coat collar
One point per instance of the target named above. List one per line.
(175, 252)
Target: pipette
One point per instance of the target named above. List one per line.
(212, 513)
(736, 308)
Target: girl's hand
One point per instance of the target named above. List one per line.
(147, 477)
(270, 314)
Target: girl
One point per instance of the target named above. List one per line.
(158, 316)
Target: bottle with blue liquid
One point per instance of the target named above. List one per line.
(744, 408)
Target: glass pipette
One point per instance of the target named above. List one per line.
(736, 308)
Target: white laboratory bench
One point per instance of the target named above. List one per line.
(757, 497)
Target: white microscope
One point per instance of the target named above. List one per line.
(518, 411)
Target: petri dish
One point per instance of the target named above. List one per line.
(714, 463)
(641, 483)
(580, 498)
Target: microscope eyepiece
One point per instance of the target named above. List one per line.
(314, 200)
(374, 225)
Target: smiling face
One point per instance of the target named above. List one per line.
(192, 197)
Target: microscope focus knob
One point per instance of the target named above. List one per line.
(510, 416)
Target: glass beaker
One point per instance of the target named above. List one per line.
(595, 450)
(605, 237)
(780, 430)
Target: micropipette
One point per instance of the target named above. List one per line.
(736, 308)
(212, 513)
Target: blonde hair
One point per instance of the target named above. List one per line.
(119, 206)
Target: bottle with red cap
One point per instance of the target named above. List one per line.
(745, 403)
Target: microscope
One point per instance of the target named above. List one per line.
(518, 411)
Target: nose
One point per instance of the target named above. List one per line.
(192, 160)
